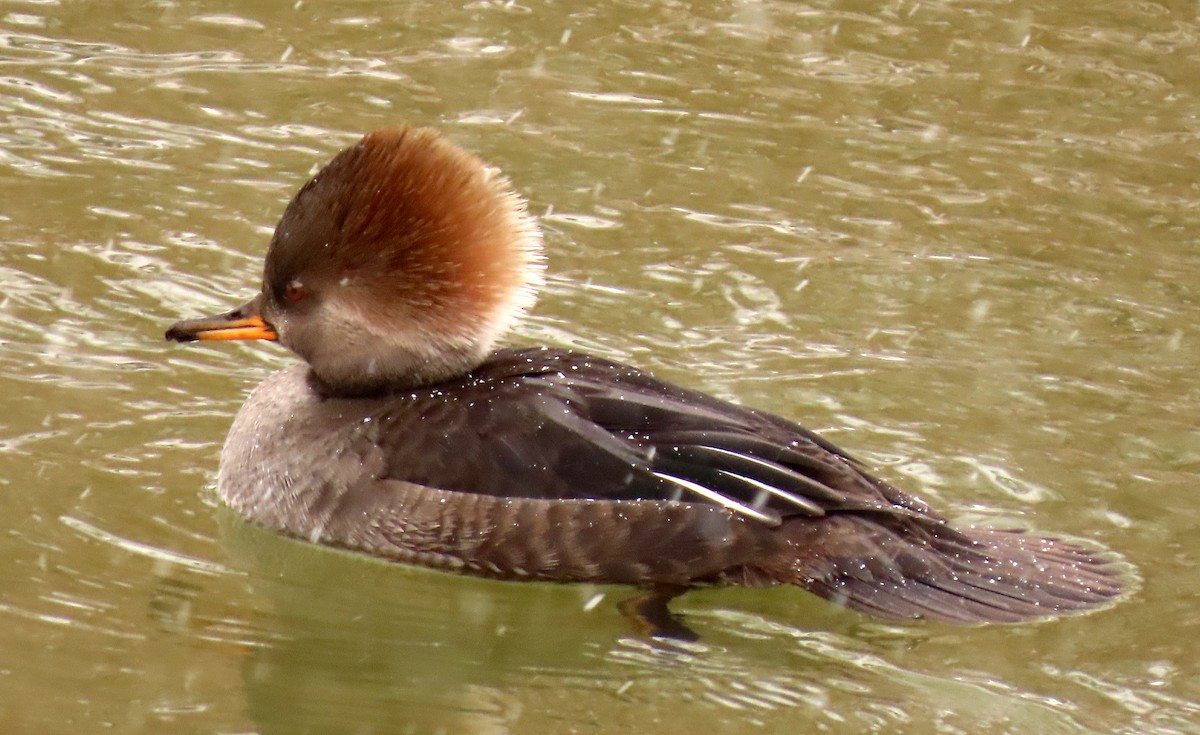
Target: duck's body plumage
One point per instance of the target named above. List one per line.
(552, 465)
(407, 437)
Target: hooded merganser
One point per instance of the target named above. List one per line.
(407, 436)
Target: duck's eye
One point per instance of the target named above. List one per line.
(294, 291)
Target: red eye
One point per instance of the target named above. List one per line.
(294, 291)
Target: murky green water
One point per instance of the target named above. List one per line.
(960, 238)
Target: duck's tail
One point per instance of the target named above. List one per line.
(901, 568)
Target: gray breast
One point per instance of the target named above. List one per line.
(290, 456)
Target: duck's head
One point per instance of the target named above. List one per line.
(398, 265)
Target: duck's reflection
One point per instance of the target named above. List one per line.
(358, 645)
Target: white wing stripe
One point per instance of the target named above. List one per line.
(807, 505)
(716, 497)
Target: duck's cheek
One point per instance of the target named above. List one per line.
(325, 345)
(289, 335)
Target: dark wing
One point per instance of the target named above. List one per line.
(545, 423)
(557, 425)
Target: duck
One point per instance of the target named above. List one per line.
(405, 433)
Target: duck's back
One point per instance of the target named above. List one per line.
(553, 465)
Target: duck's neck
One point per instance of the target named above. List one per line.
(367, 384)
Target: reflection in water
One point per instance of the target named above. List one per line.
(441, 654)
(386, 646)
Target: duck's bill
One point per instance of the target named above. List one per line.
(244, 322)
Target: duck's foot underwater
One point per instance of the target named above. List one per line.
(649, 613)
